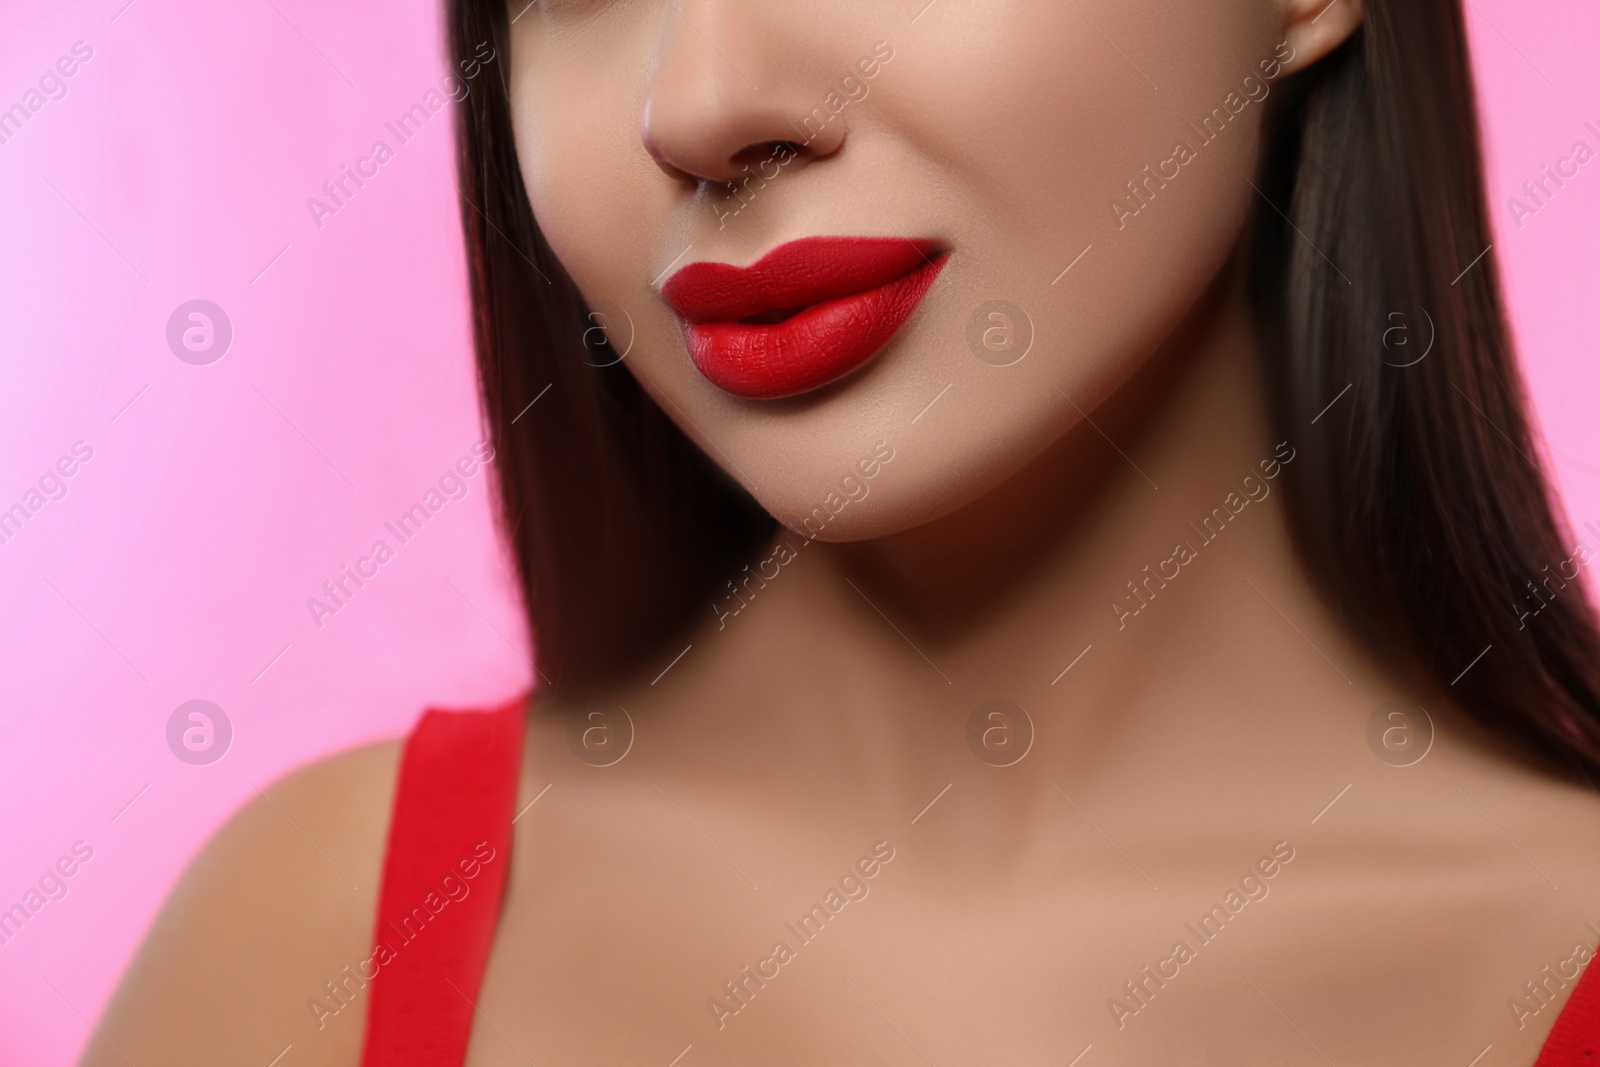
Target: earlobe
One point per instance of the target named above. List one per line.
(1314, 28)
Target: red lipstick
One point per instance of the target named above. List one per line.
(805, 314)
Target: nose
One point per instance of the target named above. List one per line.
(723, 96)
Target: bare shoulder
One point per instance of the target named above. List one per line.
(275, 906)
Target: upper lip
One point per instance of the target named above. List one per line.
(793, 276)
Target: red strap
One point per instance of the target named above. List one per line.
(443, 876)
(1575, 1039)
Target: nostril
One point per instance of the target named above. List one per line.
(767, 151)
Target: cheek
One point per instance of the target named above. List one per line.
(574, 158)
(1046, 121)
(600, 202)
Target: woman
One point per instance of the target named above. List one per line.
(1035, 554)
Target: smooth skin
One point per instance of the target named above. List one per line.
(1228, 717)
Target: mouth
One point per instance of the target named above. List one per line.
(807, 313)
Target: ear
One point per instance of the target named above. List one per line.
(1313, 28)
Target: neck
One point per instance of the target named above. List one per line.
(1134, 581)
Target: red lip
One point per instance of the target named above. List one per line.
(805, 314)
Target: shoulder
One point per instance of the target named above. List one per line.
(277, 903)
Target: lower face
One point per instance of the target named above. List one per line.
(989, 215)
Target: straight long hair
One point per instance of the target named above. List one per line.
(1419, 506)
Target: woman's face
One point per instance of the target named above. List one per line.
(1050, 185)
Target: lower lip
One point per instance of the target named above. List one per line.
(819, 345)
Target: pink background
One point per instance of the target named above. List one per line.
(179, 562)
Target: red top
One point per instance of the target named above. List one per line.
(1576, 1037)
(443, 878)
(445, 873)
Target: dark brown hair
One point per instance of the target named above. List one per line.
(1418, 504)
